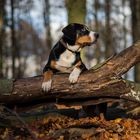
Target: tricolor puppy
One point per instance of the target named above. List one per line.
(65, 55)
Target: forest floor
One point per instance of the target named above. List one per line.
(63, 124)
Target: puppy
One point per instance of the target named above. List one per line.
(65, 55)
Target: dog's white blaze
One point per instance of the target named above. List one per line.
(46, 86)
(74, 75)
(66, 59)
(91, 34)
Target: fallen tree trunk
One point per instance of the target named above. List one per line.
(93, 87)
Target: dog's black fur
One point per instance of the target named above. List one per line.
(65, 55)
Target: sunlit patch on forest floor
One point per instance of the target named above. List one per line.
(55, 126)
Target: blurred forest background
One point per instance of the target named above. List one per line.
(30, 28)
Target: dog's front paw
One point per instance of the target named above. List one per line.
(46, 86)
(74, 75)
(73, 78)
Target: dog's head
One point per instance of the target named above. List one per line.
(79, 34)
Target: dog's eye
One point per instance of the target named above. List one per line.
(83, 30)
(87, 28)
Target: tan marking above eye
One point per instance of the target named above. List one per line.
(83, 39)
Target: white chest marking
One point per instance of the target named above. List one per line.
(74, 47)
(66, 59)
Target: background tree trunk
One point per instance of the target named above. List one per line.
(108, 32)
(125, 32)
(2, 38)
(96, 7)
(13, 47)
(76, 10)
(47, 24)
(135, 10)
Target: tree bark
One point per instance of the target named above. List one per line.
(135, 18)
(97, 49)
(46, 15)
(2, 33)
(109, 45)
(13, 46)
(74, 8)
(93, 86)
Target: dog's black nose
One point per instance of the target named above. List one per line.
(96, 35)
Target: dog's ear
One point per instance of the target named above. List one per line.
(70, 32)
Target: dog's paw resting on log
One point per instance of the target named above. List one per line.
(65, 55)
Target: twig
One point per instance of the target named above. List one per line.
(21, 121)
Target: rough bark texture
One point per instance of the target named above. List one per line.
(93, 87)
(135, 18)
(109, 42)
(2, 20)
(74, 8)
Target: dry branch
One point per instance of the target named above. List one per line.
(93, 87)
